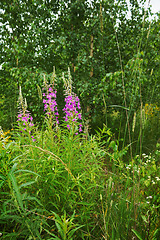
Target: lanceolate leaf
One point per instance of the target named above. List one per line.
(137, 234)
(16, 189)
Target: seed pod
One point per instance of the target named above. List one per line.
(134, 122)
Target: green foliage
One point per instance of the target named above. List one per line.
(65, 227)
(67, 186)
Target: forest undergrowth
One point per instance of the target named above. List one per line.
(58, 181)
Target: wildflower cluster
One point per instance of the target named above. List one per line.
(72, 108)
(71, 111)
(146, 169)
(151, 109)
(25, 120)
(4, 138)
(144, 165)
(50, 104)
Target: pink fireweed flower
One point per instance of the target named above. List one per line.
(71, 108)
(33, 139)
(25, 119)
(50, 104)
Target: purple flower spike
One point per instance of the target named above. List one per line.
(50, 104)
(71, 108)
(25, 120)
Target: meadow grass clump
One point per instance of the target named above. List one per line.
(66, 185)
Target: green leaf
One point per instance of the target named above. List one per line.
(26, 184)
(70, 234)
(144, 218)
(14, 167)
(28, 171)
(2, 177)
(33, 198)
(137, 234)
(16, 189)
(52, 234)
(1, 183)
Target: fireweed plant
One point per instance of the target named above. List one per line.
(72, 108)
(25, 120)
(50, 105)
